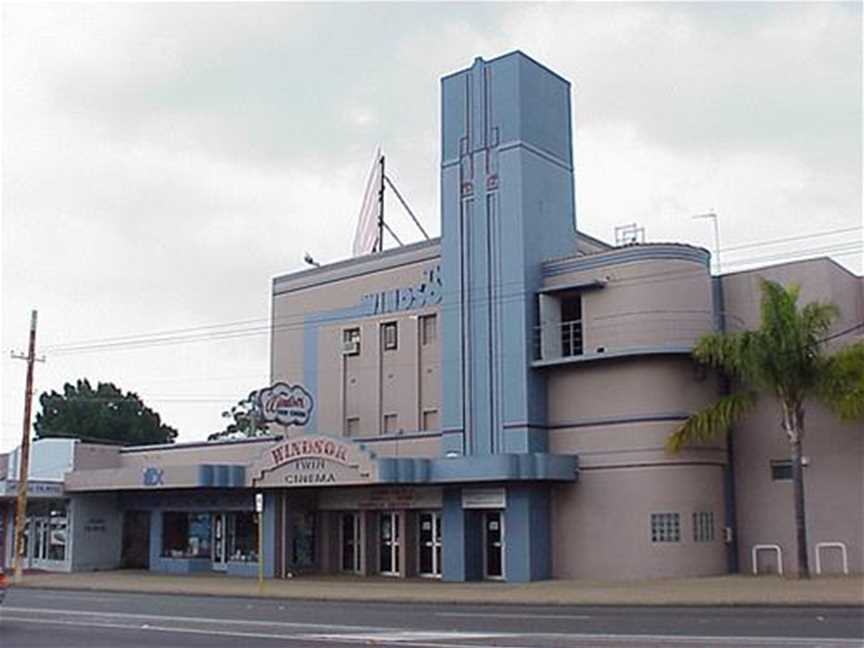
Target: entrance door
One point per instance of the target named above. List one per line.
(351, 542)
(388, 532)
(220, 541)
(493, 544)
(135, 549)
(429, 533)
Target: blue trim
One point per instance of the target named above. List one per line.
(530, 148)
(527, 534)
(619, 420)
(311, 323)
(386, 260)
(221, 476)
(200, 444)
(579, 285)
(478, 468)
(397, 437)
(610, 355)
(657, 251)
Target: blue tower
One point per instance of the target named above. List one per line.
(506, 205)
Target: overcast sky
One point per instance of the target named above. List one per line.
(162, 162)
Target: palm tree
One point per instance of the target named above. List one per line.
(786, 357)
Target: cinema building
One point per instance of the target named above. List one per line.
(493, 404)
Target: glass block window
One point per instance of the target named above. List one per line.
(703, 527)
(781, 470)
(665, 527)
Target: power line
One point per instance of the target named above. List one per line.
(199, 333)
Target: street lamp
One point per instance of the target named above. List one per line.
(713, 217)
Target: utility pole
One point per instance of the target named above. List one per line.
(24, 453)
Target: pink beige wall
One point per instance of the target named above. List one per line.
(644, 303)
(834, 477)
(616, 415)
(404, 382)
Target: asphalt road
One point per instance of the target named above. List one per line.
(61, 619)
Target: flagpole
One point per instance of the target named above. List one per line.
(381, 208)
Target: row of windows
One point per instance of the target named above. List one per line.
(666, 527)
(390, 335)
(428, 421)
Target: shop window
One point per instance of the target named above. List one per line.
(430, 419)
(243, 541)
(351, 341)
(186, 535)
(352, 426)
(703, 527)
(390, 423)
(781, 470)
(390, 336)
(428, 329)
(665, 527)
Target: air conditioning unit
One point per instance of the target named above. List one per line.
(351, 348)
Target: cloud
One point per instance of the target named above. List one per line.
(161, 162)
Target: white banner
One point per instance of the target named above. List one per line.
(366, 234)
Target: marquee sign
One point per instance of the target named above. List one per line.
(284, 404)
(313, 461)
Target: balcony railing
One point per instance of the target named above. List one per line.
(548, 337)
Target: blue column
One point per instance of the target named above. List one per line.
(155, 540)
(462, 539)
(528, 545)
(268, 531)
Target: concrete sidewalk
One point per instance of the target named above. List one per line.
(716, 590)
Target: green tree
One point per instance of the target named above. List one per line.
(786, 358)
(105, 414)
(245, 422)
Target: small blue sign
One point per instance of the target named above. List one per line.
(154, 477)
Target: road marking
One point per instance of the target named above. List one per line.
(402, 636)
(157, 617)
(504, 615)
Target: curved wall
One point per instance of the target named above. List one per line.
(616, 415)
(652, 296)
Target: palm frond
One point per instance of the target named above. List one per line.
(841, 384)
(713, 420)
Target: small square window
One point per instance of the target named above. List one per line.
(352, 426)
(781, 470)
(703, 527)
(390, 423)
(665, 527)
(430, 419)
(351, 341)
(390, 336)
(428, 329)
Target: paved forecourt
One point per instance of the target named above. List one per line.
(719, 590)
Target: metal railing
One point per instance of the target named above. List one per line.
(568, 334)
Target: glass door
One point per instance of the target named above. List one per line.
(388, 532)
(429, 534)
(493, 544)
(220, 541)
(351, 542)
